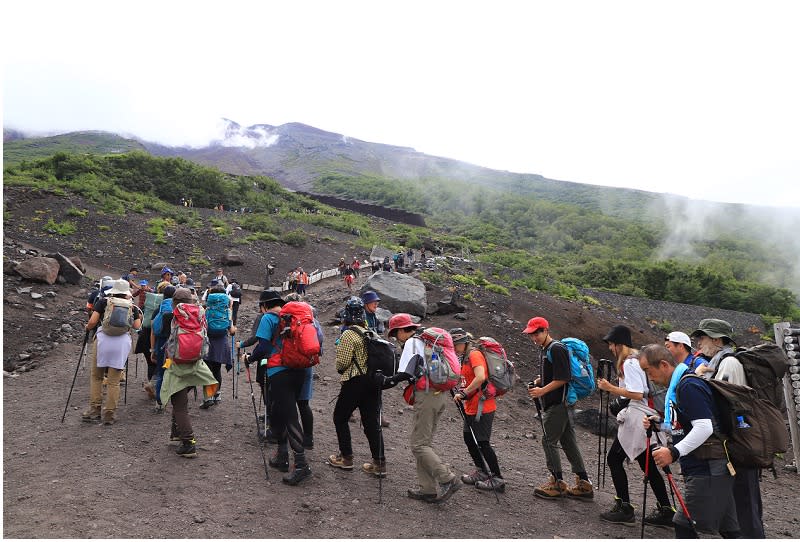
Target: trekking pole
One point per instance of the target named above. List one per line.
(380, 435)
(75, 376)
(649, 434)
(255, 412)
(125, 397)
(674, 488)
(478, 446)
(233, 376)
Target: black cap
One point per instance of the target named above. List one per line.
(270, 298)
(619, 334)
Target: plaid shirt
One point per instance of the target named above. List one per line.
(351, 355)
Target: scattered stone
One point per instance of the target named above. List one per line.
(66, 328)
(39, 269)
(460, 316)
(25, 290)
(24, 356)
(198, 519)
(39, 306)
(35, 295)
(67, 269)
(50, 293)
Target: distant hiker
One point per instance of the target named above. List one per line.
(341, 267)
(371, 301)
(386, 265)
(178, 378)
(116, 315)
(234, 291)
(401, 259)
(551, 388)
(436, 482)
(166, 279)
(396, 260)
(376, 266)
(680, 346)
(220, 276)
(356, 266)
(302, 281)
(358, 390)
(477, 432)
(132, 279)
(422, 254)
(410, 255)
(709, 485)
(629, 444)
(348, 277)
(713, 338)
(220, 329)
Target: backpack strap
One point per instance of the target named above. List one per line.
(363, 336)
(550, 359)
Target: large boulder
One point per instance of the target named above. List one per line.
(40, 268)
(232, 258)
(451, 304)
(67, 269)
(398, 293)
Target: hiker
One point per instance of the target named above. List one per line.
(356, 266)
(631, 440)
(234, 291)
(141, 292)
(218, 304)
(551, 387)
(348, 277)
(264, 329)
(307, 391)
(436, 483)
(680, 346)
(358, 390)
(709, 486)
(158, 341)
(410, 255)
(302, 281)
(713, 336)
(220, 276)
(166, 279)
(386, 265)
(474, 373)
(132, 279)
(371, 301)
(285, 386)
(110, 351)
(177, 380)
(341, 267)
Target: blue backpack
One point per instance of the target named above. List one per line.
(217, 314)
(581, 383)
(158, 321)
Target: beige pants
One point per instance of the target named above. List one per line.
(428, 408)
(96, 385)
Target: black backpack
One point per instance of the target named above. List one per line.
(751, 429)
(380, 353)
(764, 366)
(236, 291)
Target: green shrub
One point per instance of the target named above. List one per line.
(468, 297)
(81, 213)
(259, 236)
(220, 227)
(463, 279)
(295, 238)
(496, 288)
(62, 228)
(157, 227)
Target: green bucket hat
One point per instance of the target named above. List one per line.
(714, 328)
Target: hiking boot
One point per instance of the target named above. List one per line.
(493, 483)
(187, 448)
(661, 516)
(109, 418)
(207, 403)
(448, 488)
(279, 462)
(340, 461)
(553, 489)
(582, 490)
(91, 415)
(471, 479)
(297, 475)
(418, 495)
(158, 409)
(621, 514)
(375, 467)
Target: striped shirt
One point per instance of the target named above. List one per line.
(351, 355)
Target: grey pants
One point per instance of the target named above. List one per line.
(558, 429)
(428, 408)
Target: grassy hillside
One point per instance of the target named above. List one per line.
(100, 143)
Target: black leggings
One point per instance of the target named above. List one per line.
(216, 370)
(482, 430)
(306, 418)
(359, 392)
(285, 388)
(616, 464)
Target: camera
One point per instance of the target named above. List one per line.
(617, 405)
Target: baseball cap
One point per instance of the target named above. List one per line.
(714, 328)
(679, 337)
(537, 322)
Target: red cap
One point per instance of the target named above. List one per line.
(400, 321)
(537, 322)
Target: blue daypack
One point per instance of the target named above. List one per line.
(581, 383)
(158, 321)
(217, 314)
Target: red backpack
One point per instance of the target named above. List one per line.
(300, 342)
(187, 341)
(501, 370)
(442, 368)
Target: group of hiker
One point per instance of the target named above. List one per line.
(664, 400)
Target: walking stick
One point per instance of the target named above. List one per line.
(255, 412)
(478, 446)
(125, 397)
(674, 487)
(75, 376)
(649, 433)
(382, 458)
(233, 376)
(609, 364)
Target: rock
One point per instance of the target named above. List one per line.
(50, 293)
(232, 258)
(40, 269)
(66, 328)
(398, 293)
(25, 290)
(592, 420)
(460, 316)
(67, 269)
(39, 306)
(13, 300)
(35, 295)
(24, 356)
(76, 261)
(450, 304)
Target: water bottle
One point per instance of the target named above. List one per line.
(740, 423)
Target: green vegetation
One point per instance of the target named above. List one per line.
(81, 213)
(220, 227)
(157, 227)
(60, 228)
(296, 238)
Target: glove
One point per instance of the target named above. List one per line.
(228, 367)
(247, 360)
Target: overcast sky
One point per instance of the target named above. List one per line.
(694, 98)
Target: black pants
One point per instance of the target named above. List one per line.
(747, 494)
(235, 311)
(361, 393)
(306, 419)
(616, 464)
(482, 430)
(216, 370)
(285, 387)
